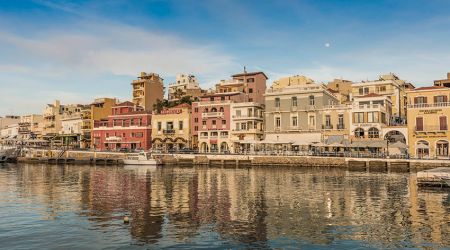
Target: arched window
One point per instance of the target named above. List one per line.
(213, 110)
(205, 110)
(423, 149)
(374, 133)
(442, 148)
(359, 133)
(221, 109)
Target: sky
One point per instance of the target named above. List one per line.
(76, 51)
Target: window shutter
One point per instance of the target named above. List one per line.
(445, 98)
(415, 100)
(435, 98)
(425, 100)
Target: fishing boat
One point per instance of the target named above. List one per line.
(142, 158)
(446, 180)
(3, 155)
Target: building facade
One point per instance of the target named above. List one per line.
(210, 121)
(388, 85)
(147, 89)
(295, 112)
(247, 125)
(443, 82)
(30, 127)
(428, 114)
(184, 85)
(171, 128)
(128, 127)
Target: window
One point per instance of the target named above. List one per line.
(443, 123)
(159, 126)
(237, 126)
(358, 117)
(196, 110)
(222, 98)
(277, 122)
(213, 122)
(211, 99)
(131, 122)
(204, 123)
(213, 110)
(312, 120)
(250, 91)
(180, 125)
(420, 100)
(221, 109)
(224, 122)
(250, 99)
(374, 133)
(238, 113)
(294, 121)
(373, 117)
(169, 125)
(440, 99)
(124, 135)
(251, 80)
(419, 123)
(196, 119)
(139, 135)
(311, 100)
(340, 121)
(294, 101)
(243, 126)
(277, 102)
(442, 148)
(196, 128)
(328, 121)
(205, 110)
(359, 133)
(381, 89)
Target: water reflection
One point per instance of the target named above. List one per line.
(201, 207)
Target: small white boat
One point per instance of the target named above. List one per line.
(142, 158)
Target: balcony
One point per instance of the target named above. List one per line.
(169, 131)
(340, 126)
(328, 126)
(212, 115)
(431, 129)
(245, 117)
(429, 105)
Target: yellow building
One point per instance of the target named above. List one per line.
(100, 109)
(147, 89)
(388, 85)
(341, 88)
(428, 113)
(291, 81)
(171, 128)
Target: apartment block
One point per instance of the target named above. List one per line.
(147, 89)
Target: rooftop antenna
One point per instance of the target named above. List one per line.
(245, 70)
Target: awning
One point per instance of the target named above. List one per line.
(422, 146)
(336, 145)
(301, 144)
(275, 142)
(398, 144)
(369, 144)
(319, 144)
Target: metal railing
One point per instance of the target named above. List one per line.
(429, 105)
(431, 128)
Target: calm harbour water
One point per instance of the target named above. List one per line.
(82, 207)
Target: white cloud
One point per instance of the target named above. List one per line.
(117, 49)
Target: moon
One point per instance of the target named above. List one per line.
(327, 45)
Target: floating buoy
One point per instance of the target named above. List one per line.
(126, 220)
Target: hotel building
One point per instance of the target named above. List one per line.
(428, 114)
(128, 127)
(171, 128)
(147, 89)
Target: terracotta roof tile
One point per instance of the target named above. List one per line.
(431, 87)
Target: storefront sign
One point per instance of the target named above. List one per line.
(430, 111)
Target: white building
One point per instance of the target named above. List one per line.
(183, 85)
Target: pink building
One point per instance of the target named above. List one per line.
(255, 85)
(128, 127)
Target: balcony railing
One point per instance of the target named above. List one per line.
(247, 117)
(212, 114)
(429, 105)
(329, 126)
(340, 126)
(434, 128)
(169, 131)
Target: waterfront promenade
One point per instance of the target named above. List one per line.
(116, 158)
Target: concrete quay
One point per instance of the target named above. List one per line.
(116, 158)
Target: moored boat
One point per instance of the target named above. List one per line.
(141, 158)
